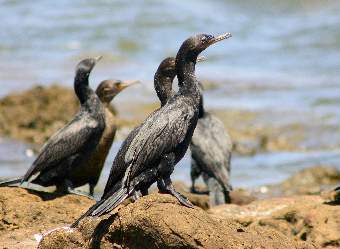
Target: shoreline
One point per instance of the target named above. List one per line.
(35, 114)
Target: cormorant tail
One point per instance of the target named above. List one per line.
(112, 202)
(11, 182)
(105, 205)
(87, 213)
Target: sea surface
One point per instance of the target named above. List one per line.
(283, 58)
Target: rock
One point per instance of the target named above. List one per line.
(159, 221)
(241, 197)
(34, 115)
(312, 180)
(199, 200)
(305, 218)
(25, 213)
(237, 196)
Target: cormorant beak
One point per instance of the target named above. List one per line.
(201, 58)
(219, 38)
(98, 58)
(127, 83)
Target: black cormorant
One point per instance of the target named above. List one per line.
(152, 149)
(210, 146)
(71, 146)
(211, 149)
(90, 171)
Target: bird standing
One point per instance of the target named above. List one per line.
(211, 149)
(92, 168)
(210, 146)
(152, 149)
(68, 150)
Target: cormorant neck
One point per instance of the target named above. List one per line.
(163, 87)
(81, 87)
(185, 67)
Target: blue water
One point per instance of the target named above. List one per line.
(283, 60)
(247, 171)
(293, 41)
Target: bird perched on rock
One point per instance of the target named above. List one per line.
(91, 168)
(152, 149)
(67, 151)
(211, 149)
(210, 146)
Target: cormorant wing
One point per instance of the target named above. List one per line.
(118, 167)
(68, 141)
(211, 146)
(160, 133)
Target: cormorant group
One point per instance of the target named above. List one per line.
(75, 155)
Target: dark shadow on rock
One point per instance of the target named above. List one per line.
(333, 203)
(101, 229)
(45, 196)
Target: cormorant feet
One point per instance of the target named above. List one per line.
(193, 190)
(135, 196)
(198, 192)
(181, 198)
(165, 186)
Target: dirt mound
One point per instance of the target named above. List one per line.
(159, 221)
(24, 213)
(305, 218)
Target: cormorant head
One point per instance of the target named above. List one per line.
(196, 44)
(108, 89)
(85, 66)
(167, 67)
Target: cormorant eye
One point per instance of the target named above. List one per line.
(206, 38)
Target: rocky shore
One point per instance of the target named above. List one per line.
(296, 213)
(159, 221)
(35, 114)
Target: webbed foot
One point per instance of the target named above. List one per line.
(165, 186)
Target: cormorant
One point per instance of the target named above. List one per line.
(71, 146)
(91, 168)
(152, 149)
(210, 146)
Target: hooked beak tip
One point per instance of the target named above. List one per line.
(98, 58)
(220, 38)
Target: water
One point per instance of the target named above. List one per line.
(247, 171)
(283, 59)
(291, 41)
